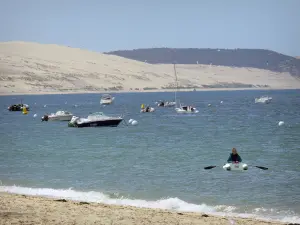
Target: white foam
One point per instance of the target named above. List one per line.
(168, 203)
(92, 196)
(226, 208)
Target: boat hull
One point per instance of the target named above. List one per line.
(180, 110)
(106, 102)
(167, 104)
(18, 107)
(235, 166)
(265, 100)
(103, 123)
(147, 111)
(60, 118)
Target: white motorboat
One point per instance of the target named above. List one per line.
(147, 109)
(106, 99)
(165, 104)
(235, 166)
(186, 109)
(182, 108)
(263, 99)
(58, 116)
(96, 119)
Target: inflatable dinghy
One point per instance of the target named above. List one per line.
(235, 166)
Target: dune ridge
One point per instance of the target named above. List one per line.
(32, 68)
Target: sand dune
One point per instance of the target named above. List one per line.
(46, 68)
(18, 209)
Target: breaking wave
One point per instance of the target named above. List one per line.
(172, 203)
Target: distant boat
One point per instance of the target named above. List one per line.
(97, 119)
(106, 99)
(263, 99)
(146, 109)
(58, 116)
(165, 104)
(182, 108)
(18, 107)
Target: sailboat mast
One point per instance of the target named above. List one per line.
(176, 83)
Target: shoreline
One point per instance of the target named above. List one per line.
(144, 91)
(26, 209)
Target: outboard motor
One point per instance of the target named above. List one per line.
(45, 118)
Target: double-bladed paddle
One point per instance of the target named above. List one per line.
(209, 167)
(261, 167)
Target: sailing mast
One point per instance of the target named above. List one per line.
(176, 85)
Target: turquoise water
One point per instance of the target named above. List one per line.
(159, 163)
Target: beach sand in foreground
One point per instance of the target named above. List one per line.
(21, 209)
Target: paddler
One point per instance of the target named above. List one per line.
(234, 157)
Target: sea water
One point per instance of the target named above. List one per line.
(160, 162)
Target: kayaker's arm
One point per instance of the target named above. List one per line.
(229, 159)
(239, 158)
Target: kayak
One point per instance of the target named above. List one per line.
(235, 166)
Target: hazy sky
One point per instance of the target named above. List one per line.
(106, 25)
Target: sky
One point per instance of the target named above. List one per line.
(108, 25)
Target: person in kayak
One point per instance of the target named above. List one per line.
(234, 157)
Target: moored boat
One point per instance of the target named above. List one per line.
(179, 108)
(18, 107)
(146, 109)
(96, 119)
(58, 116)
(186, 109)
(106, 99)
(263, 99)
(166, 104)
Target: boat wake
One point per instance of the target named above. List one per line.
(171, 203)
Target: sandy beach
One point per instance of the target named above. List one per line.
(21, 209)
(32, 68)
(134, 91)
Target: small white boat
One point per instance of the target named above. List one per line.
(147, 109)
(180, 108)
(235, 166)
(186, 109)
(263, 99)
(58, 116)
(106, 99)
(165, 104)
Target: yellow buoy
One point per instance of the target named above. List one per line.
(24, 110)
(142, 106)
